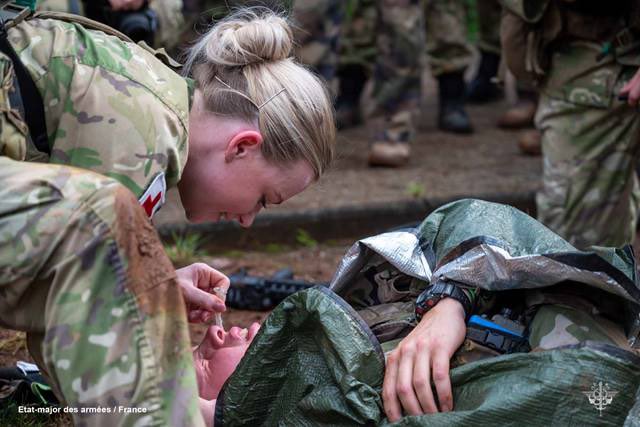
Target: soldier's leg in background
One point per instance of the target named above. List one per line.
(590, 189)
(449, 54)
(481, 88)
(170, 23)
(397, 79)
(317, 32)
(82, 268)
(555, 326)
(356, 58)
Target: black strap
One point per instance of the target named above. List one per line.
(31, 98)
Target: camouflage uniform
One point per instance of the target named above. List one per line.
(317, 32)
(489, 12)
(83, 271)
(589, 138)
(170, 22)
(397, 70)
(385, 299)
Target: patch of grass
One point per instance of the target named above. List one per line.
(415, 190)
(275, 248)
(185, 249)
(234, 253)
(304, 238)
(14, 343)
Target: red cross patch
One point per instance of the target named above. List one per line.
(153, 197)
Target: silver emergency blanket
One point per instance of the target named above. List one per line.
(497, 248)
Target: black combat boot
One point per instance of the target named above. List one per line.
(481, 88)
(453, 117)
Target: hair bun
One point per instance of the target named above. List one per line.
(246, 38)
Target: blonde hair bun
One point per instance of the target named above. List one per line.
(249, 37)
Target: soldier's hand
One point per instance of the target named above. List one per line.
(126, 4)
(423, 355)
(198, 283)
(631, 90)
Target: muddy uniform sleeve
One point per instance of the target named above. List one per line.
(111, 107)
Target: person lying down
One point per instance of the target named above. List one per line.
(460, 320)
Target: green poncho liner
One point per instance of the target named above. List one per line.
(315, 362)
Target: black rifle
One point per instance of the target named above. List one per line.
(261, 293)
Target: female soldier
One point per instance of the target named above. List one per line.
(81, 268)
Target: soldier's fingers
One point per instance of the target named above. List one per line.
(422, 382)
(389, 395)
(202, 300)
(442, 380)
(404, 384)
(634, 95)
(209, 278)
(194, 316)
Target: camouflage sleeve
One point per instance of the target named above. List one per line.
(111, 107)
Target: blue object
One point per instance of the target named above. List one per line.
(481, 322)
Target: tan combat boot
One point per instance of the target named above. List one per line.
(391, 147)
(530, 142)
(518, 116)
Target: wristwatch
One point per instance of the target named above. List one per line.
(440, 290)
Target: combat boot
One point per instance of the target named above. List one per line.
(452, 116)
(519, 116)
(391, 147)
(530, 142)
(482, 88)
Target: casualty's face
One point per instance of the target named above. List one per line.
(218, 356)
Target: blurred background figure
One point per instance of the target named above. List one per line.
(159, 23)
(582, 54)
(400, 39)
(484, 89)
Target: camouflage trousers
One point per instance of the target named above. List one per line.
(317, 33)
(83, 273)
(489, 15)
(407, 28)
(590, 144)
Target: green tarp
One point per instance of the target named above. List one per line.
(315, 362)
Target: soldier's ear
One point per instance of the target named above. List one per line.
(242, 144)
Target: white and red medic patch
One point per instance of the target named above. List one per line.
(153, 198)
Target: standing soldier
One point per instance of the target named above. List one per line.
(581, 53)
(317, 32)
(398, 69)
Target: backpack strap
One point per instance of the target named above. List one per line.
(29, 99)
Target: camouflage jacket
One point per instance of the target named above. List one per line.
(111, 106)
(532, 30)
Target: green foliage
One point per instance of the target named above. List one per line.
(304, 238)
(275, 248)
(234, 253)
(472, 21)
(415, 190)
(185, 249)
